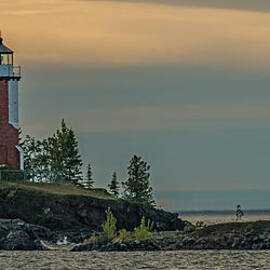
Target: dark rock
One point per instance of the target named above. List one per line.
(15, 234)
(18, 240)
(73, 236)
(120, 246)
(34, 231)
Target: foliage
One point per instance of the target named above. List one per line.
(109, 230)
(143, 232)
(64, 153)
(199, 225)
(47, 211)
(137, 187)
(96, 239)
(189, 228)
(109, 227)
(89, 180)
(114, 185)
(36, 157)
(54, 157)
(124, 235)
(92, 240)
(11, 194)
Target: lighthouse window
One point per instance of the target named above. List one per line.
(6, 59)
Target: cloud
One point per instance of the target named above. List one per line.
(98, 34)
(23, 12)
(259, 5)
(186, 117)
(207, 117)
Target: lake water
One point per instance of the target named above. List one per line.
(170, 260)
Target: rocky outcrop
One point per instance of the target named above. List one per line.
(19, 240)
(228, 242)
(235, 236)
(73, 212)
(34, 231)
(15, 234)
(149, 245)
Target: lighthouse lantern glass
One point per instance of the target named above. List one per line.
(6, 59)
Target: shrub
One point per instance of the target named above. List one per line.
(11, 194)
(92, 240)
(109, 227)
(200, 225)
(96, 239)
(143, 232)
(189, 228)
(124, 235)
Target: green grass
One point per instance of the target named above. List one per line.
(59, 188)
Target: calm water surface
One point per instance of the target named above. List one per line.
(171, 260)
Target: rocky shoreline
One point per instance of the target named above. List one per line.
(228, 241)
(16, 234)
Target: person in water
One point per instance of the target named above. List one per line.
(239, 213)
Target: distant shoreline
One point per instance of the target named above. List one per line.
(257, 212)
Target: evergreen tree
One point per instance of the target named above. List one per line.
(137, 187)
(55, 156)
(36, 159)
(89, 177)
(114, 185)
(67, 158)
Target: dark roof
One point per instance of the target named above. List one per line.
(4, 49)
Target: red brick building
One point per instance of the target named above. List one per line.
(11, 155)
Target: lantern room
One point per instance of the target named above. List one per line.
(7, 68)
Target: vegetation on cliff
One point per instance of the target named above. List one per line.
(63, 206)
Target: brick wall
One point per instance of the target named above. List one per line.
(9, 155)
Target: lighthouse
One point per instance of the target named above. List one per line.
(11, 154)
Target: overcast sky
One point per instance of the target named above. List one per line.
(184, 83)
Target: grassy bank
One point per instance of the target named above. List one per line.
(63, 206)
(59, 188)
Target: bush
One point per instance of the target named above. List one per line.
(92, 240)
(143, 232)
(96, 239)
(124, 235)
(200, 225)
(109, 227)
(189, 228)
(47, 211)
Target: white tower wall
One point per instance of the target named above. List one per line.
(13, 98)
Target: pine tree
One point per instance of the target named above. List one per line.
(114, 185)
(54, 157)
(72, 159)
(137, 187)
(64, 154)
(89, 177)
(36, 159)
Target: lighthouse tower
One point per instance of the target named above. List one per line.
(11, 155)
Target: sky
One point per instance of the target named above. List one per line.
(183, 83)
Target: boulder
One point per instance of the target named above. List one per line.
(19, 240)
(34, 231)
